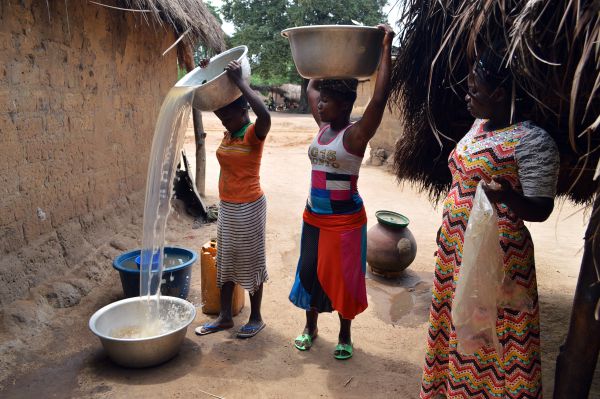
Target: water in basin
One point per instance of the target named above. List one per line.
(169, 261)
(145, 320)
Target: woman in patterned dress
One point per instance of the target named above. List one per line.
(519, 163)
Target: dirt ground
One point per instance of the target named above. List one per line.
(63, 359)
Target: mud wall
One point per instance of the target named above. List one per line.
(80, 90)
(383, 143)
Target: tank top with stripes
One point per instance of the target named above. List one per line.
(333, 188)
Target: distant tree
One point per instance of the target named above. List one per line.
(341, 12)
(259, 24)
(214, 11)
(201, 51)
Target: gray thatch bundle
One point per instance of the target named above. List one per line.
(553, 52)
(292, 91)
(288, 91)
(191, 18)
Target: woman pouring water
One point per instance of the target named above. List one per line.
(243, 207)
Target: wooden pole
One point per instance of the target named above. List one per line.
(200, 152)
(185, 56)
(303, 106)
(578, 355)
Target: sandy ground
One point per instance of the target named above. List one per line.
(67, 361)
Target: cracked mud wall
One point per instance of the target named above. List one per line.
(80, 89)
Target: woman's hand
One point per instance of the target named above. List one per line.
(389, 34)
(263, 118)
(363, 130)
(531, 209)
(234, 71)
(498, 190)
(203, 63)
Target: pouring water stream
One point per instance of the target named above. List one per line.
(166, 147)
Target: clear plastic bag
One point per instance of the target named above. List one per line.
(478, 289)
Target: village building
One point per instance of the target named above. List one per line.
(81, 85)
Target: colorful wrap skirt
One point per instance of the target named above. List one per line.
(331, 269)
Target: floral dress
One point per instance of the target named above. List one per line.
(527, 157)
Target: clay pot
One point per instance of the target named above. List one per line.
(391, 247)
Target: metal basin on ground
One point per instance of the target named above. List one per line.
(335, 51)
(132, 337)
(214, 89)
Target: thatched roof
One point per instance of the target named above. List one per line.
(189, 17)
(292, 91)
(287, 90)
(553, 52)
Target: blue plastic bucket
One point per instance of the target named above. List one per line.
(155, 263)
(177, 274)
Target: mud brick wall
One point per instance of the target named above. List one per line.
(390, 129)
(80, 89)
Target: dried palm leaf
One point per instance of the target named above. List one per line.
(553, 53)
(190, 19)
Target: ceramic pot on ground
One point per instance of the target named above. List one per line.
(391, 247)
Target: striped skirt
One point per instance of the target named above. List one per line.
(241, 244)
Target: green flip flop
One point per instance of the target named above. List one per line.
(343, 351)
(303, 342)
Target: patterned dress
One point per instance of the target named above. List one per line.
(526, 156)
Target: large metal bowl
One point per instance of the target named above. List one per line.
(335, 51)
(130, 313)
(214, 89)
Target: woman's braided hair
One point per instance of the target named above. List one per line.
(344, 89)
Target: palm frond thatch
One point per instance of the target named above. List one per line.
(189, 17)
(553, 52)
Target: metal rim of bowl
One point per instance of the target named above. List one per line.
(102, 310)
(231, 50)
(392, 224)
(285, 32)
(184, 265)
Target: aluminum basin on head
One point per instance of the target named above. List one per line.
(335, 51)
(142, 352)
(214, 89)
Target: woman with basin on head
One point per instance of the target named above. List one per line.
(522, 161)
(331, 270)
(243, 207)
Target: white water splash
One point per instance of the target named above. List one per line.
(164, 156)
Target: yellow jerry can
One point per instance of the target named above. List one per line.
(211, 294)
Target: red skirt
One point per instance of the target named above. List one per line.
(331, 269)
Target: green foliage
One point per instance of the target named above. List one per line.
(201, 51)
(259, 24)
(180, 72)
(341, 12)
(214, 11)
(256, 80)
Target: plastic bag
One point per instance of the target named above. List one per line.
(478, 289)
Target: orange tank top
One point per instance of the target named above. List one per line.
(239, 159)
